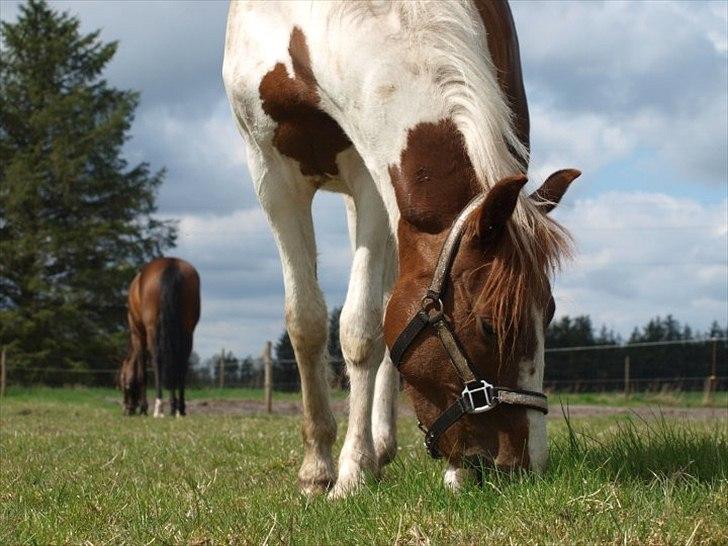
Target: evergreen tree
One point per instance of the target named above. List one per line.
(568, 332)
(75, 218)
(248, 371)
(229, 364)
(716, 331)
(285, 368)
(659, 329)
(607, 336)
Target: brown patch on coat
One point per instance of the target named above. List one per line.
(435, 178)
(304, 132)
(503, 46)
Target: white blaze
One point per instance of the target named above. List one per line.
(537, 440)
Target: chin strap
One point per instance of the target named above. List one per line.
(479, 396)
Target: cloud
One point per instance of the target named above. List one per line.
(204, 158)
(643, 254)
(654, 75)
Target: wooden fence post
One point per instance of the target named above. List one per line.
(2, 373)
(712, 380)
(626, 376)
(268, 378)
(221, 368)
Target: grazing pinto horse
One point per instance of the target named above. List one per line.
(164, 307)
(415, 112)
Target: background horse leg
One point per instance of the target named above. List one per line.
(181, 409)
(144, 403)
(173, 401)
(182, 375)
(158, 402)
(362, 342)
(134, 380)
(286, 198)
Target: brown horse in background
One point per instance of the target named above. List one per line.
(164, 307)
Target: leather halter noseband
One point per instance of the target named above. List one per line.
(478, 396)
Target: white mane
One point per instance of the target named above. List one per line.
(454, 39)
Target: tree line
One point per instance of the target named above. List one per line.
(588, 369)
(682, 363)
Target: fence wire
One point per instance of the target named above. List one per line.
(683, 365)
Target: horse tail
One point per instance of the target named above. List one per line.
(170, 340)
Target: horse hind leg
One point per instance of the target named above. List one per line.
(182, 376)
(173, 402)
(158, 401)
(181, 407)
(144, 403)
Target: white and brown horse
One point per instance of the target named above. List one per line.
(411, 110)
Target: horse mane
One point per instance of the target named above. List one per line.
(533, 247)
(453, 42)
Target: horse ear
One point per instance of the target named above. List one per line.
(551, 191)
(498, 207)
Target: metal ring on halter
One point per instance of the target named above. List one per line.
(436, 305)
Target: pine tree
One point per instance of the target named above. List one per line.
(568, 332)
(75, 219)
(285, 368)
(230, 367)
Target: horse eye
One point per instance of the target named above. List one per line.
(485, 326)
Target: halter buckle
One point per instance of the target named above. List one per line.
(432, 307)
(479, 396)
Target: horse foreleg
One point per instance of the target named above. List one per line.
(362, 343)
(384, 414)
(286, 198)
(386, 389)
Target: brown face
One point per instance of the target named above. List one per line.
(498, 310)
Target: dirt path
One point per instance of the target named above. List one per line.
(250, 407)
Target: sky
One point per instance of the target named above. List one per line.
(633, 93)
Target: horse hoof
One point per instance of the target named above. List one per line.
(343, 489)
(158, 408)
(311, 488)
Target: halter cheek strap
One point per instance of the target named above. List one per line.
(478, 396)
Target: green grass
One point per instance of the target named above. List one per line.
(73, 470)
(664, 399)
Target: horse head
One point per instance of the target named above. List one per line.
(473, 355)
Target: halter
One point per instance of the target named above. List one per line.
(478, 396)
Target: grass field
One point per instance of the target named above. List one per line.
(74, 471)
